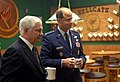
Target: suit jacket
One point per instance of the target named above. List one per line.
(54, 48)
(20, 65)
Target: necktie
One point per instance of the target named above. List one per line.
(35, 54)
(67, 39)
(37, 58)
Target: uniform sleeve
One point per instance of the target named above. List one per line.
(46, 54)
(82, 55)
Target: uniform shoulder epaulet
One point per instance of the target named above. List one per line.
(48, 33)
(74, 31)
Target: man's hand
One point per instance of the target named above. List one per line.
(79, 62)
(69, 62)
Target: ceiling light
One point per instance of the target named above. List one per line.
(53, 19)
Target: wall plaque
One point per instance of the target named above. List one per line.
(101, 23)
(8, 19)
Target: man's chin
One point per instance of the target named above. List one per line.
(38, 40)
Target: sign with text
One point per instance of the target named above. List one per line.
(101, 23)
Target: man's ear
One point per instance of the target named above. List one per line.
(26, 30)
(58, 19)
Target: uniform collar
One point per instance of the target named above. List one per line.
(62, 32)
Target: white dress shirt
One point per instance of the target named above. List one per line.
(68, 33)
(27, 42)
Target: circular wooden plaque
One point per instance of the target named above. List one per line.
(8, 19)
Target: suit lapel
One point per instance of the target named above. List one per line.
(30, 55)
(61, 39)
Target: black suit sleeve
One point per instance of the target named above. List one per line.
(11, 64)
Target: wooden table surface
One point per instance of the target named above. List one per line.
(106, 53)
(90, 61)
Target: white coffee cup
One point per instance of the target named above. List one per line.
(51, 73)
(87, 57)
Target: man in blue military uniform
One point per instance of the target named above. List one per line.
(62, 49)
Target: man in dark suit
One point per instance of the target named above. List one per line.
(63, 52)
(19, 62)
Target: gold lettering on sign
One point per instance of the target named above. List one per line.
(93, 9)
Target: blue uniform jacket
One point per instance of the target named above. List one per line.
(54, 48)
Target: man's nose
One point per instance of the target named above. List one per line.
(41, 34)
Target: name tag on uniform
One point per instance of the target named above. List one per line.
(59, 48)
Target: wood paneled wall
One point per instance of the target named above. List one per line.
(90, 48)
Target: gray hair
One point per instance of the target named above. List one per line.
(28, 22)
